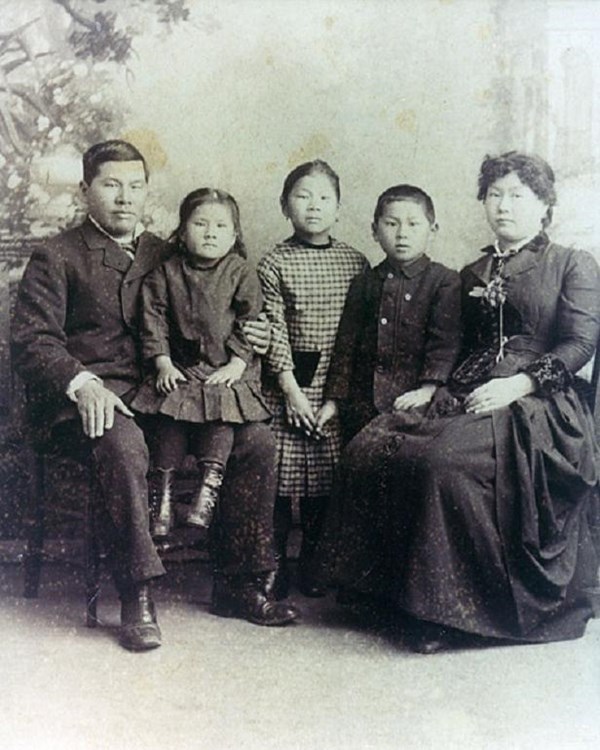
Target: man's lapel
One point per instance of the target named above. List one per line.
(114, 256)
(150, 252)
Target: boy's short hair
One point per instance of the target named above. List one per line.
(114, 150)
(405, 193)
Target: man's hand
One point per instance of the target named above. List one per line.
(258, 333)
(96, 406)
(414, 399)
(229, 373)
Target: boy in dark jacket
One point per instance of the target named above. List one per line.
(399, 335)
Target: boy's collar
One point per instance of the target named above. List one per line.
(410, 269)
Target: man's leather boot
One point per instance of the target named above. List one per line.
(139, 629)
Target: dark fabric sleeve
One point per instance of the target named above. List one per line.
(578, 311)
(443, 337)
(347, 338)
(39, 340)
(550, 374)
(155, 326)
(247, 303)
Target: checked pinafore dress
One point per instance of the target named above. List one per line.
(304, 288)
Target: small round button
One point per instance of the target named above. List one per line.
(390, 275)
(384, 321)
(408, 296)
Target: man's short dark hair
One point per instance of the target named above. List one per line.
(114, 150)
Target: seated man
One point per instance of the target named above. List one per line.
(75, 344)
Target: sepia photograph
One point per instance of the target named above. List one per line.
(299, 392)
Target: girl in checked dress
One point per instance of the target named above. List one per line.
(304, 280)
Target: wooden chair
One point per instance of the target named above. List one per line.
(40, 494)
(594, 392)
(43, 499)
(36, 462)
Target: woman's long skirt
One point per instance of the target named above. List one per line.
(479, 522)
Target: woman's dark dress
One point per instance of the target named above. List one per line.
(479, 522)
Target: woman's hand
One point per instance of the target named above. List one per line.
(229, 373)
(413, 399)
(168, 376)
(499, 392)
(258, 333)
(325, 413)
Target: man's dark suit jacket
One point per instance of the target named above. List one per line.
(78, 309)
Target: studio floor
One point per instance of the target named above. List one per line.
(326, 683)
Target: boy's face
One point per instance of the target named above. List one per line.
(403, 230)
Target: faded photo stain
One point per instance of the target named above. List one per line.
(147, 141)
(313, 148)
(406, 120)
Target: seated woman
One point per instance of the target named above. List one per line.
(472, 515)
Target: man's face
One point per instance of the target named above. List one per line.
(117, 195)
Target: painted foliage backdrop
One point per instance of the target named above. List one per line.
(234, 93)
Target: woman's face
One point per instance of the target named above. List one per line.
(209, 233)
(513, 210)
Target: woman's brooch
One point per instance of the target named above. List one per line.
(494, 295)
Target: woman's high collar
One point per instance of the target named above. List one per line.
(535, 243)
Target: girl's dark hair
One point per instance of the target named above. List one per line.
(317, 166)
(405, 193)
(114, 150)
(211, 195)
(532, 170)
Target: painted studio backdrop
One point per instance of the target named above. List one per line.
(234, 93)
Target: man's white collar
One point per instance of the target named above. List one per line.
(139, 229)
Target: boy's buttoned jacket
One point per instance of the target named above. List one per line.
(78, 309)
(400, 328)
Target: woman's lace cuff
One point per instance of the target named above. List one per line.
(550, 374)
